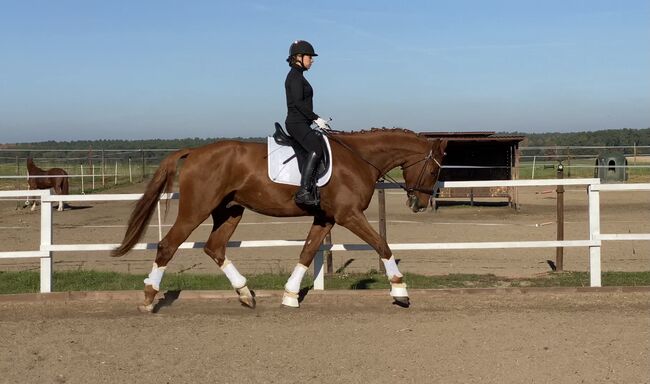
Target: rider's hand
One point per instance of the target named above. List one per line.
(322, 124)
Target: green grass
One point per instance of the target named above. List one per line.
(28, 281)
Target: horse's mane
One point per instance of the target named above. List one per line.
(375, 130)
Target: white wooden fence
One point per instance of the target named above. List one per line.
(594, 242)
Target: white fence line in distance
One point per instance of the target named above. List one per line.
(593, 243)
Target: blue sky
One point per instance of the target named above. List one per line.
(138, 69)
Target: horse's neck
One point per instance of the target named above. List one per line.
(386, 151)
(32, 169)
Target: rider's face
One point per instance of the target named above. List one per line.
(306, 61)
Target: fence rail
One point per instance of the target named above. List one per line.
(594, 242)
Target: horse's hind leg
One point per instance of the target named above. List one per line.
(186, 222)
(317, 232)
(358, 224)
(225, 221)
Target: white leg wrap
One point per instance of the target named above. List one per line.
(398, 290)
(236, 279)
(155, 276)
(391, 267)
(293, 284)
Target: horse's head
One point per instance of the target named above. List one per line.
(421, 173)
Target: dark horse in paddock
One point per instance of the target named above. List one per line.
(224, 178)
(55, 178)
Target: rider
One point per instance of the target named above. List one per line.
(300, 116)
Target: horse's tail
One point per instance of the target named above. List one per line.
(162, 181)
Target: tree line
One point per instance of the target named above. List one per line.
(609, 137)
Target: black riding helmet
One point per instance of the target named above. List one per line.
(301, 47)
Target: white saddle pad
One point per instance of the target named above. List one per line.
(289, 173)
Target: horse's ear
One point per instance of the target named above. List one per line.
(443, 145)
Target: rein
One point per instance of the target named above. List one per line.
(386, 176)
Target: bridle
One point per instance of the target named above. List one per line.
(416, 188)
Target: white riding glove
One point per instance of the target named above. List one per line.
(322, 124)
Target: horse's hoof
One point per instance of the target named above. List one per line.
(145, 308)
(403, 302)
(246, 297)
(290, 299)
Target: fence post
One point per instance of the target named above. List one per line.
(143, 165)
(319, 274)
(533, 173)
(17, 174)
(46, 241)
(381, 195)
(115, 172)
(130, 174)
(594, 234)
(103, 169)
(82, 178)
(159, 223)
(559, 251)
(328, 253)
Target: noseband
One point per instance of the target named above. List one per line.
(416, 188)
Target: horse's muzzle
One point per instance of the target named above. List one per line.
(414, 203)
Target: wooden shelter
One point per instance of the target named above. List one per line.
(479, 156)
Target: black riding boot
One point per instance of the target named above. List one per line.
(306, 194)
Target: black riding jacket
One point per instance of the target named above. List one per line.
(300, 107)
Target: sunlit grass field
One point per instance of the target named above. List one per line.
(63, 281)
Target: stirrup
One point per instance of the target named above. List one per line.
(304, 197)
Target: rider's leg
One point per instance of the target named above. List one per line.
(308, 139)
(305, 194)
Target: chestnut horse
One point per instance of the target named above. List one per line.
(224, 178)
(39, 178)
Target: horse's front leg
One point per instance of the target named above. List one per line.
(358, 224)
(31, 202)
(317, 233)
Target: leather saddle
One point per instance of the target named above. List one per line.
(283, 138)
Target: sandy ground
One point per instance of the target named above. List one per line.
(341, 337)
(335, 337)
(104, 222)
